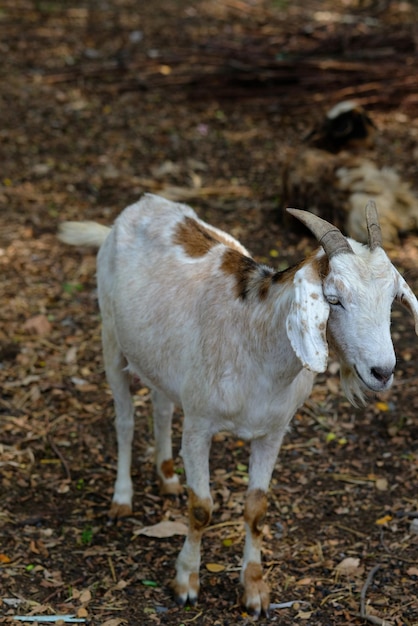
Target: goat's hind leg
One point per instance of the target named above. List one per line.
(119, 382)
(162, 416)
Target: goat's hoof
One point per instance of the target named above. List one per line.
(256, 598)
(119, 510)
(182, 600)
(255, 613)
(186, 593)
(257, 607)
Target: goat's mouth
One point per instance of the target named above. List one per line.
(378, 379)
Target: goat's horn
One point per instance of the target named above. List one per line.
(330, 238)
(374, 232)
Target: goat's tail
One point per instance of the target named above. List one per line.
(83, 233)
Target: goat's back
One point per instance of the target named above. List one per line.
(155, 226)
(162, 289)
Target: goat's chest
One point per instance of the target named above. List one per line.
(253, 408)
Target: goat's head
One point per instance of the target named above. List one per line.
(345, 296)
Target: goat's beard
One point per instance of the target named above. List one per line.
(352, 386)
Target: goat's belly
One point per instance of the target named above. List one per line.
(166, 385)
(157, 360)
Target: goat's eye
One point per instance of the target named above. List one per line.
(334, 300)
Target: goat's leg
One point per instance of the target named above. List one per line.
(162, 414)
(119, 382)
(195, 451)
(264, 452)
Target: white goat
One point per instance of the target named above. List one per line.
(235, 344)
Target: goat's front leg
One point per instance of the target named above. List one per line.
(195, 450)
(264, 453)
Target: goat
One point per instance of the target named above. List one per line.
(235, 344)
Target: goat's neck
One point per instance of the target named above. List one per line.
(270, 297)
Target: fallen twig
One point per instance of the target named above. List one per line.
(193, 619)
(357, 533)
(373, 619)
(290, 604)
(70, 619)
(224, 524)
(60, 456)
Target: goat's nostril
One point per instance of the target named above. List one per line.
(382, 374)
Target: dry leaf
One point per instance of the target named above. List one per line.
(412, 571)
(85, 596)
(304, 614)
(163, 529)
(348, 566)
(115, 621)
(381, 484)
(71, 356)
(382, 406)
(39, 324)
(4, 558)
(121, 584)
(214, 568)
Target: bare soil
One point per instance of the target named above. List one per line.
(100, 102)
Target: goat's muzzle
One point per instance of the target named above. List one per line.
(382, 374)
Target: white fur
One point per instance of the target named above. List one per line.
(238, 364)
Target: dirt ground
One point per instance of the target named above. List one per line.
(101, 101)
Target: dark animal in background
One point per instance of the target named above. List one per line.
(345, 126)
(337, 173)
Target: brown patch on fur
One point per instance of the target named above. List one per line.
(172, 488)
(321, 265)
(200, 511)
(195, 239)
(180, 592)
(167, 468)
(253, 573)
(256, 591)
(286, 275)
(258, 278)
(255, 511)
(246, 271)
(119, 510)
(264, 286)
(250, 275)
(194, 583)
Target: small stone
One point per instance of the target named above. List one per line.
(413, 528)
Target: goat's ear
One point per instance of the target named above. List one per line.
(306, 322)
(406, 297)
